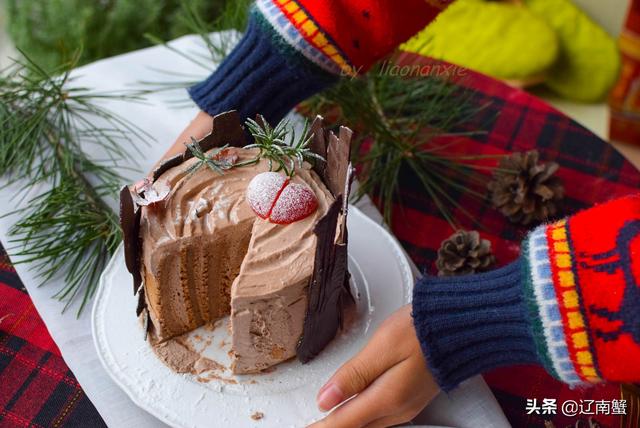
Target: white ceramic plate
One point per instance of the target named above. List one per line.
(382, 277)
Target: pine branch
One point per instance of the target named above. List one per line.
(68, 230)
(400, 121)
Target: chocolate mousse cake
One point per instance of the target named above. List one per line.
(233, 228)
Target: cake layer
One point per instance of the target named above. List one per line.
(206, 254)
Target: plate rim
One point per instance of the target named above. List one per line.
(401, 258)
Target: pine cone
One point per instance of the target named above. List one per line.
(464, 253)
(525, 190)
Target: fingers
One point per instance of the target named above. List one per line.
(357, 373)
(375, 402)
(390, 377)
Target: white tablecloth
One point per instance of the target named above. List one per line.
(472, 405)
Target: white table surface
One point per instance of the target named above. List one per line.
(471, 405)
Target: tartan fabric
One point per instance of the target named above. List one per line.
(37, 389)
(592, 171)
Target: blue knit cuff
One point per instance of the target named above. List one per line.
(474, 323)
(263, 74)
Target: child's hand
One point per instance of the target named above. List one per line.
(389, 376)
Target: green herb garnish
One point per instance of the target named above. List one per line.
(273, 145)
(213, 160)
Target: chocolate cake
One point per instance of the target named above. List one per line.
(268, 249)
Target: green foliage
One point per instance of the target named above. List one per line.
(68, 229)
(211, 160)
(402, 119)
(52, 31)
(273, 145)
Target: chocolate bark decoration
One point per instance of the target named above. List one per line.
(338, 153)
(318, 145)
(329, 286)
(146, 322)
(227, 129)
(326, 289)
(142, 304)
(166, 165)
(130, 225)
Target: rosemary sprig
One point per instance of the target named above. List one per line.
(273, 145)
(68, 230)
(212, 160)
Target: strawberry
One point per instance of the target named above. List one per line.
(263, 190)
(272, 196)
(296, 201)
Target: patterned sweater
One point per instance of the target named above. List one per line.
(570, 303)
(293, 49)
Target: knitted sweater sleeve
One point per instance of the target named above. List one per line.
(571, 303)
(292, 49)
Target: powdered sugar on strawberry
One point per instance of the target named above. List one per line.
(296, 202)
(272, 196)
(263, 191)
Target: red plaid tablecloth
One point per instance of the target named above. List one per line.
(37, 388)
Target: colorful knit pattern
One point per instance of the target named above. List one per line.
(300, 31)
(584, 286)
(347, 37)
(293, 49)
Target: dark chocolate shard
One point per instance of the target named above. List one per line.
(130, 225)
(329, 289)
(326, 290)
(142, 303)
(342, 233)
(166, 165)
(227, 129)
(147, 325)
(318, 144)
(338, 153)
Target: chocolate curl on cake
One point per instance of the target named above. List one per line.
(329, 285)
(130, 225)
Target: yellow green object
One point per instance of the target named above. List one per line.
(588, 61)
(503, 40)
